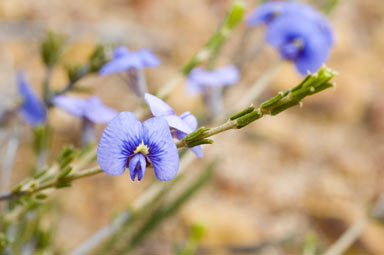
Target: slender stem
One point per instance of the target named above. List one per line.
(9, 158)
(42, 139)
(88, 135)
(41, 158)
(47, 84)
(85, 70)
(211, 48)
(234, 17)
(139, 205)
(347, 238)
(213, 99)
(169, 86)
(230, 124)
(54, 183)
(102, 234)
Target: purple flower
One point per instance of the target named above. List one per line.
(199, 78)
(268, 12)
(123, 60)
(128, 142)
(299, 32)
(265, 13)
(299, 41)
(33, 110)
(91, 108)
(181, 125)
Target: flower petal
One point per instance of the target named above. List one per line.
(265, 13)
(91, 108)
(177, 123)
(32, 110)
(97, 112)
(123, 59)
(120, 51)
(157, 106)
(118, 142)
(271, 11)
(228, 75)
(309, 13)
(198, 151)
(162, 149)
(137, 165)
(193, 87)
(200, 77)
(315, 47)
(190, 120)
(314, 55)
(72, 105)
(147, 58)
(120, 64)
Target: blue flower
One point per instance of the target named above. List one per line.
(91, 108)
(181, 125)
(123, 60)
(265, 13)
(32, 110)
(268, 12)
(128, 142)
(298, 31)
(199, 78)
(299, 41)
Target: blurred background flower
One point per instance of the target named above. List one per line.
(32, 109)
(90, 110)
(300, 33)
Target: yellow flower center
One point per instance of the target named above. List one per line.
(142, 148)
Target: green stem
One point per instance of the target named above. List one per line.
(84, 70)
(47, 85)
(230, 124)
(283, 100)
(164, 211)
(40, 187)
(211, 48)
(234, 17)
(330, 5)
(258, 87)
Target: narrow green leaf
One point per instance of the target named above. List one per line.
(195, 134)
(243, 112)
(250, 117)
(200, 142)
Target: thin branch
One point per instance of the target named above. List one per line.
(230, 124)
(47, 85)
(140, 204)
(347, 238)
(102, 234)
(52, 184)
(9, 158)
(85, 70)
(169, 86)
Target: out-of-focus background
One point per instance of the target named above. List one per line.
(312, 169)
